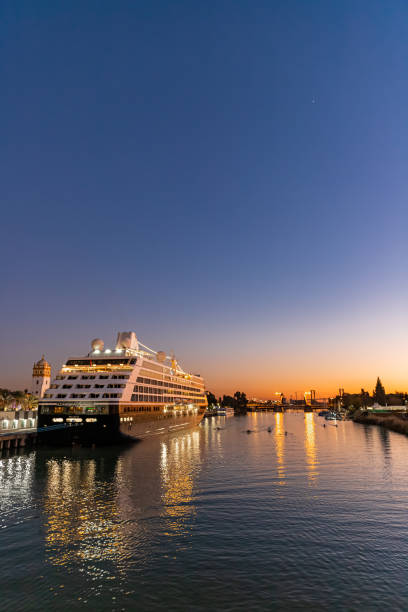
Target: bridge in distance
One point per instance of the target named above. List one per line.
(321, 404)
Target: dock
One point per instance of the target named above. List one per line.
(18, 428)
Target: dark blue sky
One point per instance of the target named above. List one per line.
(228, 179)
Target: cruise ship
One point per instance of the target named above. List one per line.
(129, 392)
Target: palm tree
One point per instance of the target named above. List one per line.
(5, 398)
(19, 398)
(30, 402)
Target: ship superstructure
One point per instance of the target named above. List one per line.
(130, 392)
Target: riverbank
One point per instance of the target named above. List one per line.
(394, 422)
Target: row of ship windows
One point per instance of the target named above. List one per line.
(98, 362)
(164, 383)
(110, 386)
(137, 397)
(92, 377)
(141, 389)
(142, 409)
(81, 395)
(150, 409)
(137, 388)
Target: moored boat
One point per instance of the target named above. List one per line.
(130, 392)
(332, 416)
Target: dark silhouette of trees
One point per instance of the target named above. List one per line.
(211, 399)
(379, 393)
(238, 402)
(241, 402)
(364, 398)
(353, 401)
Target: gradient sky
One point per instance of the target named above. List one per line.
(228, 179)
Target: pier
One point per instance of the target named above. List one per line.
(18, 428)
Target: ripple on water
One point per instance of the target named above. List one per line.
(211, 518)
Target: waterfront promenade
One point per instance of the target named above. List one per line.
(18, 428)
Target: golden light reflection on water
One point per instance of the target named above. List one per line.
(179, 461)
(95, 509)
(280, 447)
(81, 524)
(310, 447)
(16, 484)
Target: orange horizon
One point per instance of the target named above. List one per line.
(321, 391)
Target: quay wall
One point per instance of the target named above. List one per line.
(18, 428)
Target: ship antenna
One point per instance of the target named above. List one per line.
(173, 362)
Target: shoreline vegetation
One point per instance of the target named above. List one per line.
(393, 422)
(17, 400)
(239, 402)
(387, 410)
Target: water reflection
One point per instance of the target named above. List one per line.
(179, 464)
(81, 525)
(368, 434)
(136, 528)
(310, 447)
(384, 436)
(16, 482)
(102, 511)
(280, 447)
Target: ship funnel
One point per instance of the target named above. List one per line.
(127, 340)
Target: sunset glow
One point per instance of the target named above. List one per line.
(248, 214)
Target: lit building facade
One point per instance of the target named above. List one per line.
(41, 378)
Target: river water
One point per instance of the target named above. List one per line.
(213, 518)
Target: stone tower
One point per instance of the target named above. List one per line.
(41, 377)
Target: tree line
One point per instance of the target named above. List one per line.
(363, 399)
(15, 400)
(238, 401)
(350, 401)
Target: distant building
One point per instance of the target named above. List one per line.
(41, 377)
(378, 408)
(310, 397)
